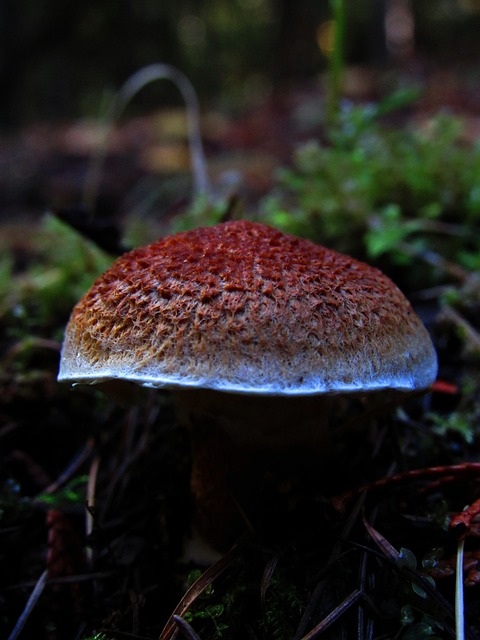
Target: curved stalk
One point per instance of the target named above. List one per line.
(125, 94)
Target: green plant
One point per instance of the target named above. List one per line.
(336, 65)
(418, 626)
(64, 265)
(403, 194)
(72, 493)
(457, 422)
(220, 614)
(201, 213)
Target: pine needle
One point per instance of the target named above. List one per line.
(459, 608)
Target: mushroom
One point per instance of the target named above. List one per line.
(256, 333)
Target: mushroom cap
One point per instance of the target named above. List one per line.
(242, 307)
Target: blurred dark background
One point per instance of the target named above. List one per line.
(58, 58)
(259, 68)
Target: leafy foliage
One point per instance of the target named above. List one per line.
(406, 192)
(62, 268)
(226, 613)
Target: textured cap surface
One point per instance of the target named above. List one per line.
(245, 308)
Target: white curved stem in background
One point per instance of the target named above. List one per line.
(130, 88)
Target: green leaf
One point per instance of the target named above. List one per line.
(406, 559)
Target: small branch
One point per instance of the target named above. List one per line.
(470, 335)
(32, 601)
(89, 515)
(435, 260)
(72, 468)
(185, 629)
(334, 615)
(170, 630)
(457, 470)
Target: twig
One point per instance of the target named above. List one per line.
(74, 465)
(436, 260)
(459, 608)
(267, 577)
(31, 602)
(207, 578)
(393, 556)
(470, 334)
(185, 629)
(456, 470)
(315, 599)
(80, 577)
(334, 615)
(462, 522)
(336, 61)
(89, 516)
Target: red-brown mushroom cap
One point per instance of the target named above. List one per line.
(242, 307)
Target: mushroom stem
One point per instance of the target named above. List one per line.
(239, 444)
